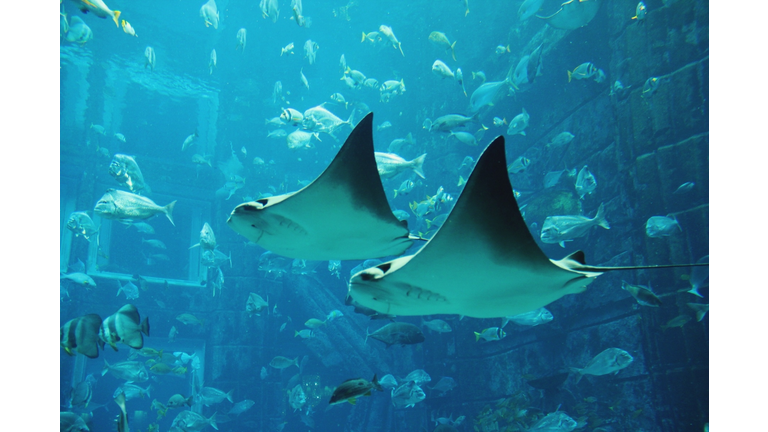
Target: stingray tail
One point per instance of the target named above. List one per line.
(416, 165)
(600, 217)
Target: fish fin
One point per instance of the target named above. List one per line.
(562, 244)
(569, 76)
(145, 329)
(168, 210)
(395, 194)
(600, 217)
(453, 45)
(522, 133)
(578, 372)
(229, 395)
(115, 16)
(477, 336)
(212, 421)
(361, 40)
(417, 165)
(106, 368)
(366, 336)
(695, 291)
(351, 400)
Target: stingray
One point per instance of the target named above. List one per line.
(573, 14)
(482, 263)
(342, 215)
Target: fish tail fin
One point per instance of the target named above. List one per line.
(115, 16)
(453, 53)
(229, 395)
(106, 368)
(416, 165)
(578, 373)
(395, 194)
(119, 289)
(695, 291)
(600, 217)
(168, 210)
(399, 46)
(296, 362)
(363, 39)
(149, 387)
(230, 259)
(145, 329)
(700, 315)
(364, 342)
(376, 384)
(508, 50)
(477, 336)
(159, 353)
(569, 76)
(212, 422)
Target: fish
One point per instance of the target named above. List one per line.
(189, 140)
(419, 376)
(397, 143)
(642, 294)
(407, 395)
(612, 360)
(489, 93)
(280, 362)
(149, 58)
(334, 314)
(81, 335)
(358, 225)
(82, 225)
(255, 304)
(212, 62)
(128, 29)
(241, 407)
(310, 50)
(390, 165)
(303, 78)
(241, 34)
(154, 243)
(192, 421)
(479, 75)
(532, 318)
(397, 333)
(497, 255)
(126, 206)
(573, 14)
(684, 188)
(700, 309)
(451, 121)
(314, 323)
(519, 123)
(518, 165)
(699, 277)
(650, 87)
(178, 401)
(437, 325)
(127, 370)
(124, 326)
(662, 226)
(552, 178)
(640, 12)
(560, 229)
(187, 318)
(210, 14)
(499, 122)
(405, 187)
(130, 290)
(300, 139)
(528, 9)
(122, 418)
(557, 421)
(582, 71)
(442, 70)
(351, 389)
(297, 398)
(78, 32)
(678, 321)
(460, 79)
(215, 258)
(126, 171)
(99, 8)
(383, 126)
(202, 160)
(585, 182)
(339, 98)
(288, 49)
(440, 40)
(209, 396)
(445, 385)
(269, 9)
(305, 333)
(388, 381)
(501, 50)
(401, 215)
(292, 116)
(387, 32)
(319, 119)
(298, 16)
(561, 139)
(491, 334)
(277, 134)
(132, 391)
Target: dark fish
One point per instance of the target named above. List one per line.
(81, 394)
(71, 422)
(81, 334)
(122, 419)
(124, 325)
(349, 390)
(397, 333)
(642, 294)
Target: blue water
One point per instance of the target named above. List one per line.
(105, 82)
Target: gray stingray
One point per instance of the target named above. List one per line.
(573, 14)
(483, 262)
(342, 215)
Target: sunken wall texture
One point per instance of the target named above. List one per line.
(640, 149)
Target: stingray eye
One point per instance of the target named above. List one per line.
(371, 274)
(384, 267)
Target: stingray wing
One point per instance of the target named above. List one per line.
(573, 14)
(342, 215)
(483, 262)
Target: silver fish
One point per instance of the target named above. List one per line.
(82, 225)
(585, 182)
(559, 229)
(662, 226)
(612, 360)
(125, 206)
(390, 165)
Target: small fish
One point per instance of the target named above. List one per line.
(499, 122)
(700, 309)
(187, 318)
(642, 294)
(582, 71)
(442, 70)
(699, 277)
(390, 165)
(650, 87)
(339, 98)
(388, 381)
(350, 390)
(467, 162)
(264, 373)
(518, 165)
(288, 49)
(210, 396)
(132, 391)
(684, 188)
(310, 50)
(80, 279)
(662, 226)
(189, 140)
(640, 12)
(585, 182)
(122, 418)
(241, 39)
(241, 407)
(149, 58)
(98, 8)
(677, 321)
(179, 401)
(465, 137)
(561, 139)
(130, 290)
(491, 334)
(210, 14)
(532, 318)
(387, 32)
(314, 323)
(81, 335)
(305, 333)
(383, 126)
(334, 314)
(82, 225)
(519, 123)
(407, 395)
(172, 334)
(397, 333)
(459, 75)
(440, 40)
(124, 326)
(445, 385)
(479, 75)
(401, 214)
(212, 62)
(280, 362)
(528, 9)
(303, 78)
(128, 29)
(612, 360)
(127, 370)
(560, 229)
(501, 50)
(437, 325)
(405, 187)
